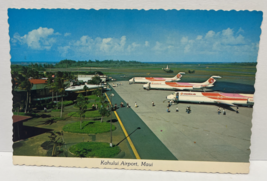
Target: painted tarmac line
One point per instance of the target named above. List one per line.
(125, 132)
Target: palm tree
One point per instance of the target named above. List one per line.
(59, 86)
(25, 72)
(103, 112)
(102, 100)
(85, 88)
(82, 105)
(26, 85)
(97, 92)
(50, 85)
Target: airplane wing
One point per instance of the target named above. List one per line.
(223, 102)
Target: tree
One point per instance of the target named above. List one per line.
(59, 86)
(85, 88)
(103, 112)
(81, 103)
(97, 92)
(25, 72)
(17, 101)
(50, 84)
(102, 100)
(26, 85)
(95, 80)
(57, 139)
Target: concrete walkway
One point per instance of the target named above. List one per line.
(202, 135)
(145, 141)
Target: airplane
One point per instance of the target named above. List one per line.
(230, 99)
(181, 85)
(150, 79)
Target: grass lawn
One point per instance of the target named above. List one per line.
(88, 114)
(94, 149)
(92, 127)
(93, 97)
(65, 103)
(56, 110)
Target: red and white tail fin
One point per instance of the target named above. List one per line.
(212, 80)
(179, 75)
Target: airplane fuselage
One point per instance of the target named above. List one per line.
(213, 97)
(150, 79)
(176, 85)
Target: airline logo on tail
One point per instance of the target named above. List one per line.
(211, 80)
(179, 75)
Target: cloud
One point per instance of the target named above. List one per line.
(67, 34)
(159, 47)
(64, 50)
(240, 31)
(110, 45)
(210, 34)
(229, 38)
(184, 40)
(187, 49)
(132, 47)
(225, 41)
(38, 39)
(104, 46)
(199, 37)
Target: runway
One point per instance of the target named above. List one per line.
(202, 135)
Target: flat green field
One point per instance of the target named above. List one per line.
(234, 72)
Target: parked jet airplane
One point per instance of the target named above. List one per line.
(150, 79)
(231, 99)
(181, 85)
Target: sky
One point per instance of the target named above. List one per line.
(147, 36)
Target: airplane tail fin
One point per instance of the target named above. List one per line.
(179, 75)
(212, 80)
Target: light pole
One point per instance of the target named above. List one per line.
(128, 136)
(111, 95)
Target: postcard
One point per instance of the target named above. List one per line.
(168, 90)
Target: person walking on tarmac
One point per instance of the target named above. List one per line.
(224, 113)
(219, 111)
(168, 109)
(153, 104)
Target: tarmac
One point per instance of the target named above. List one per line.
(202, 135)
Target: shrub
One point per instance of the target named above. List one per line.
(94, 149)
